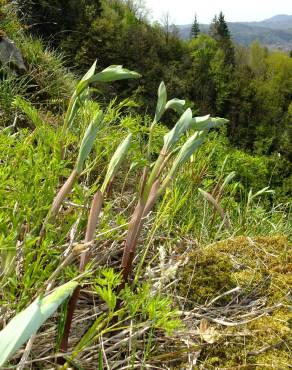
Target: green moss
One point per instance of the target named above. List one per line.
(261, 267)
(198, 281)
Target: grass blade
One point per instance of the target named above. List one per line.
(217, 207)
(29, 110)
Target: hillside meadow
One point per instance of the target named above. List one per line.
(145, 210)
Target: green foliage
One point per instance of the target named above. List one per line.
(109, 74)
(228, 175)
(219, 28)
(31, 112)
(211, 75)
(195, 29)
(161, 102)
(53, 20)
(172, 137)
(26, 323)
(37, 154)
(107, 283)
(116, 161)
(151, 307)
(251, 86)
(88, 141)
(46, 82)
(220, 32)
(114, 73)
(187, 151)
(142, 305)
(149, 311)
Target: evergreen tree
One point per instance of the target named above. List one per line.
(219, 29)
(220, 32)
(195, 30)
(222, 28)
(213, 27)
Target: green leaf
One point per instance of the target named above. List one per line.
(92, 332)
(100, 360)
(73, 104)
(206, 123)
(262, 191)
(176, 104)
(84, 82)
(27, 322)
(189, 147)
(227, 179)
(111, 73)
(88, 140)
(114, 73)
(179, 129)
(29, 110)
(161, 102)
(116, 161)
(71, 112)
(107, 294)
(90, 72)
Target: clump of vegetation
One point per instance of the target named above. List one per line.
(249, 86)
(162, 270)
(242, 287)
(152, 186)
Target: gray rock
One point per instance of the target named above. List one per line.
(10, 54)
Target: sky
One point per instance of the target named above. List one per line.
(183, 11)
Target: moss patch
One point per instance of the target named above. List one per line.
(262, 268)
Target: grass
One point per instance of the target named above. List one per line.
(149, 327)
(182, 217)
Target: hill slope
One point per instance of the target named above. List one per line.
(281, 21)
(275, 32)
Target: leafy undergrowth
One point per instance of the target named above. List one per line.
(176, 314)
(160, 323)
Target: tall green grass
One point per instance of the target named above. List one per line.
(187, 196)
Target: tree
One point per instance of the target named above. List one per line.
(195, 30)
(54, 20)
(166, 23)
(213, 27)
(219, 29)
(138, 8)
(203, 50)
(220, 32)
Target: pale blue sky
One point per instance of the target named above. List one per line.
(182, 11)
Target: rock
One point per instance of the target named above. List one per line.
(10, 54)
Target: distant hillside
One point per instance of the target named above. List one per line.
(275, 32)
(281, 21)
